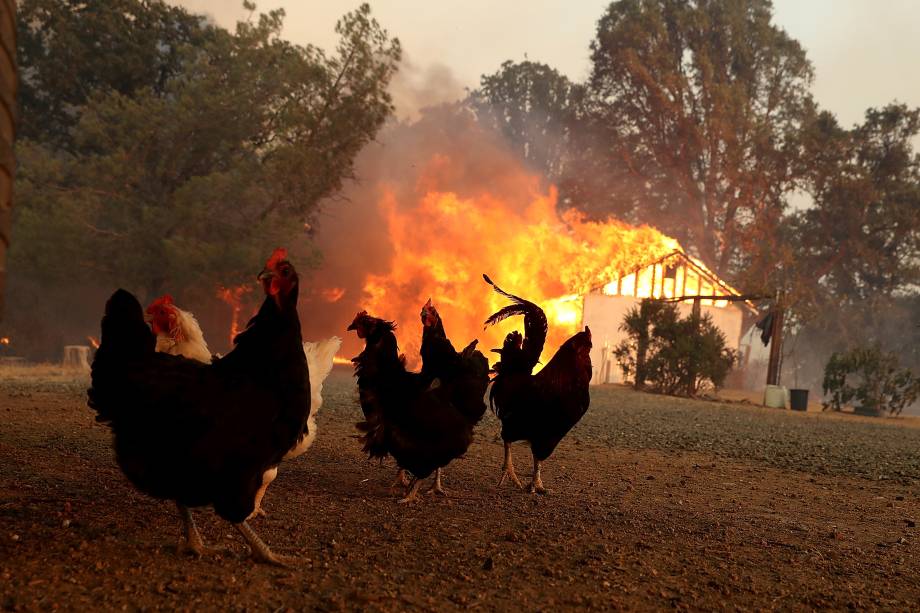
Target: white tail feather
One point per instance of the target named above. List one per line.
(319, 362)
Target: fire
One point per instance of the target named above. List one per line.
(442, 242)
(332, 294)
(341, 360)
(234, 298)
(5, 340)
(93, 341)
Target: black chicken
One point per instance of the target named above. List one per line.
(415, 417)
(464, 374)
(205, 434)
(541, 408)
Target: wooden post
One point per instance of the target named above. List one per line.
(776, 342)
(8, 86)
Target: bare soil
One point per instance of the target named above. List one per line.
(654, 503)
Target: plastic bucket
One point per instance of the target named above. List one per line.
(774, 396)
(798, 400)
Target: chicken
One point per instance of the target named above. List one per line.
(465, 375)
(541, 408)
(227, 422)
(405, 415)
(319, 356)
(177, 331)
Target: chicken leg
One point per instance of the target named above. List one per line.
(508, 468)
(191, 542)
(536, 484)
(402, 479)
(260, 551)
(412, 495)
(436, 486)
(267, 477)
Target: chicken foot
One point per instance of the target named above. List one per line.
(436, 486)
(536, 484)
(412, 494)
(191, 541)
(508, 468)
(402, 479)
(260, 551)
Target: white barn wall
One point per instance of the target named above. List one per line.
(604, 314)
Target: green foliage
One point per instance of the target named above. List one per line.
(674, 355)
(872, 378)
(69, 49)
(535, 108)
(192, 177)
(695, 110)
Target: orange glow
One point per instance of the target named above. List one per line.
(4, 340)
(442, 242)
(341, 360)
(234, 298)
(93, 341)
(332, 294)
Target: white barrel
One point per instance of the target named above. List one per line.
(774, 396)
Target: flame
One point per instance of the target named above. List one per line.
(234, 298)
(5, 340)
(332, 294)
(93, 341)
(442, 242)
(341, 360)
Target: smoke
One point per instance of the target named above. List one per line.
(416, 87)
(402, 166)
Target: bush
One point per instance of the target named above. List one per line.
(670, 354)
(873, 378)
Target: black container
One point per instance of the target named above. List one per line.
(798, 400)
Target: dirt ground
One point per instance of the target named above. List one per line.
(654, 503)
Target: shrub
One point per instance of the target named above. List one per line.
(872, 378)
(670, 354)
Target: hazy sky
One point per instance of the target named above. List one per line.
(865, 52)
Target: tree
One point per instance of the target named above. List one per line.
(693, 115)
(871, 377)
(535, 108)
(861, 239)
(190, 182)
(856, 252)
(72, 48)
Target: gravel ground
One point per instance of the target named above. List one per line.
(655, 503)
(817, 443)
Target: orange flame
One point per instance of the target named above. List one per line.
(93, 341)
(5, 340)
(234, 298)
(332, 294)
(341, 360)
(442, 243)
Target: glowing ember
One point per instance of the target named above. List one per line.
(234, 298)
(4, 340)
(93, 341)
(333, 294)
(341, 360)
(442, 243)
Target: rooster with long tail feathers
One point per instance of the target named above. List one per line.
(541, 408)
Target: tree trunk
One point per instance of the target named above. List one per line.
(7, 129)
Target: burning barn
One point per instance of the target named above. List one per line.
(672, 276)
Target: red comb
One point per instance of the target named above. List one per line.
(161, 301)
(278, 255)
